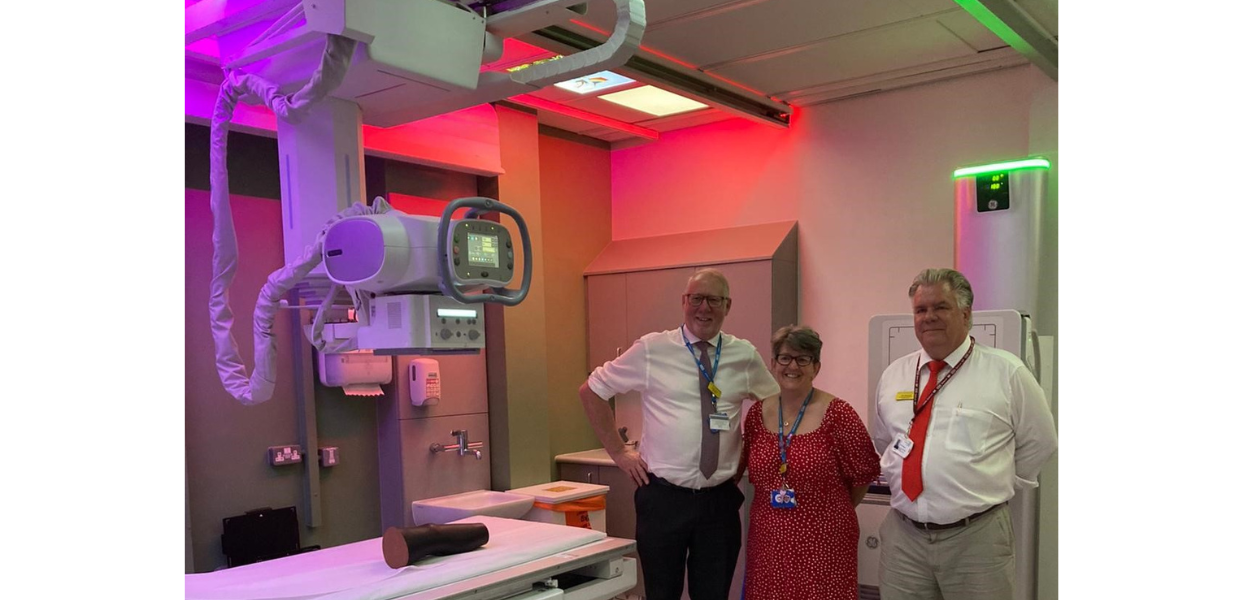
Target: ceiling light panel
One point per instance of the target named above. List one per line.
(653, 101)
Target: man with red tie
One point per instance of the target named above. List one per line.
(961, 427)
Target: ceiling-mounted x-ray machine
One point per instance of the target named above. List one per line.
(325, 68)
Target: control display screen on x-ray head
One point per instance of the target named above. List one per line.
(482, 250)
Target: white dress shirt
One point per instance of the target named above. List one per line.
(665, 373)
(990, 432)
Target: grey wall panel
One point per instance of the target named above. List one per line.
(606, 309)
(750, 318)
(349, 491)
(653, 300)
(784, 294)
(463, 386)
(391, 460)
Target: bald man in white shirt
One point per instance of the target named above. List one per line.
(692, 380)
(960, 428)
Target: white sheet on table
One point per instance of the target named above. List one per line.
(357, 572)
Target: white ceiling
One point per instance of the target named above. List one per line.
(794, 52)
(806, 52)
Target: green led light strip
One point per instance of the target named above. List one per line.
(1016, 165)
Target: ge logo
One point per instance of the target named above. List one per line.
(871, 542)
(993, 204)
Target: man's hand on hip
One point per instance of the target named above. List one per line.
(631, 462)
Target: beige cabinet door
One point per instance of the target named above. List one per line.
(606, 307)
(621, 513)
(654, 300)
(579, 473)
(749, 285)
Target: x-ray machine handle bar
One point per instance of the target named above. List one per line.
(447, 278)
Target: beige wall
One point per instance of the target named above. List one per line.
(561, 184)
(576, 212)
(516, 365)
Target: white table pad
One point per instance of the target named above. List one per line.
(357, 571)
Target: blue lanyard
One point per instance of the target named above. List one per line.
(785, 442)
(718, 349)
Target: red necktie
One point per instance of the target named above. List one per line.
(910, 477)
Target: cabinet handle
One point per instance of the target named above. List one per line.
(589, 476)
(618, 348)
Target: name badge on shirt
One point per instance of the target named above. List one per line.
(783, 498)
(903, 446)
(719, 422)
(901, 396)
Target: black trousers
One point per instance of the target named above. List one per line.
(675, 522)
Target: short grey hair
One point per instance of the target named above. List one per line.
(955, 280)
(797, 337)
(712, 273)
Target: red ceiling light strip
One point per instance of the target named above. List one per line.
(589, 117)
(675, 60)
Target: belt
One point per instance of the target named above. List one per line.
(665, 483)
(939, 527)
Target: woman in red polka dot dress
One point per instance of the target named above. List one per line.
(807, 481)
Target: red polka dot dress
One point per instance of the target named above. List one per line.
(807, 552)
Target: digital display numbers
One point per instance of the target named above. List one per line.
(482, 250)
(992, 192)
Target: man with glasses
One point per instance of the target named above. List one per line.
(692, 381)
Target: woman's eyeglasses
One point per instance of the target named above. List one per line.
(804, 360)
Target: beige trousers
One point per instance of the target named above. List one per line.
(973, 562)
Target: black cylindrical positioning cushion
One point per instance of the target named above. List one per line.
(402, 546)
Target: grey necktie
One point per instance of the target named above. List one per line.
(710, 441)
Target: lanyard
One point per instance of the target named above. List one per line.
(918, 404)
(718, 348)
(785, 442)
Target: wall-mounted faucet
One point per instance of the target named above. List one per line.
(462, 446)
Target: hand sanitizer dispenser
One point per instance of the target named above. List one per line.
(424, 382)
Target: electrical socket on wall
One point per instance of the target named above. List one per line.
(283, 455)
(329, 456)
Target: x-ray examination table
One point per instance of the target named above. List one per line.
(518, 555)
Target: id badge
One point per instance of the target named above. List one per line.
(903, 446)
(783, 498)
(719, 422)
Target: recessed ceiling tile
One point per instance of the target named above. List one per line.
(1045, 12)
(602, 13)
(890, 48)
(611, 110)
(772, 25)
(925, 7)
(971, 31)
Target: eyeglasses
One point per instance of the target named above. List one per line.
(803, 360)
(713, 301)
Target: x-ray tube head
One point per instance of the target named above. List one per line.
(396, 253)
